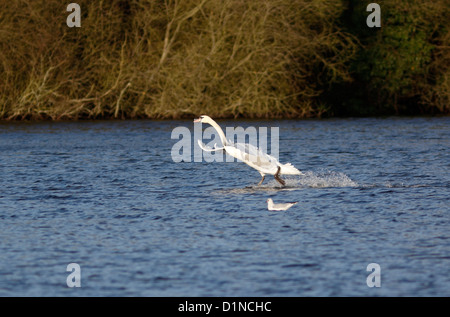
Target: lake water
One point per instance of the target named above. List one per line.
(108, 196)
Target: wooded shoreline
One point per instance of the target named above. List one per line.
(169, 59)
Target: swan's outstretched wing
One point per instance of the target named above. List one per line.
(264, 162)
(254, 152)
(254, 157)
(207, 148)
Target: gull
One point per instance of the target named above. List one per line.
(279, 207)
(250, 155)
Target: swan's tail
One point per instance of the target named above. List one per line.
(289, 169)
(209, 149)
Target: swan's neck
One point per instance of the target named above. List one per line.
(219, 131)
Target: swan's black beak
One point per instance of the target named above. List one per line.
(198, 120)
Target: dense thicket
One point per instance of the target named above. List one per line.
(225, 58)
(402, 67)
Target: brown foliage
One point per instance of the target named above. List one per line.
(169, 59)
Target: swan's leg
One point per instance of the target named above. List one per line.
(262, 180)
(277, 177)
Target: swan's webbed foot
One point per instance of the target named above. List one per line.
(277, 177)
(262, 180)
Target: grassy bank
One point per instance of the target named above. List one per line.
(168, 59)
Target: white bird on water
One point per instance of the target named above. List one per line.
(250, 155)
(279, 207)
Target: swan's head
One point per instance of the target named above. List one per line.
(203, 119)
(269, 201)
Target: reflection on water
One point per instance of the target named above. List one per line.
(108, 196)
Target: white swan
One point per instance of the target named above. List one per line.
(249, 154)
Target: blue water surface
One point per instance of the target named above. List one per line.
(108, 196)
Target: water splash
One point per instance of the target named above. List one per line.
(321, 179)
(310, 179)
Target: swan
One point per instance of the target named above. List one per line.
(264, 163)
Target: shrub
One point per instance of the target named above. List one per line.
(170, 59)
(404, 65)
